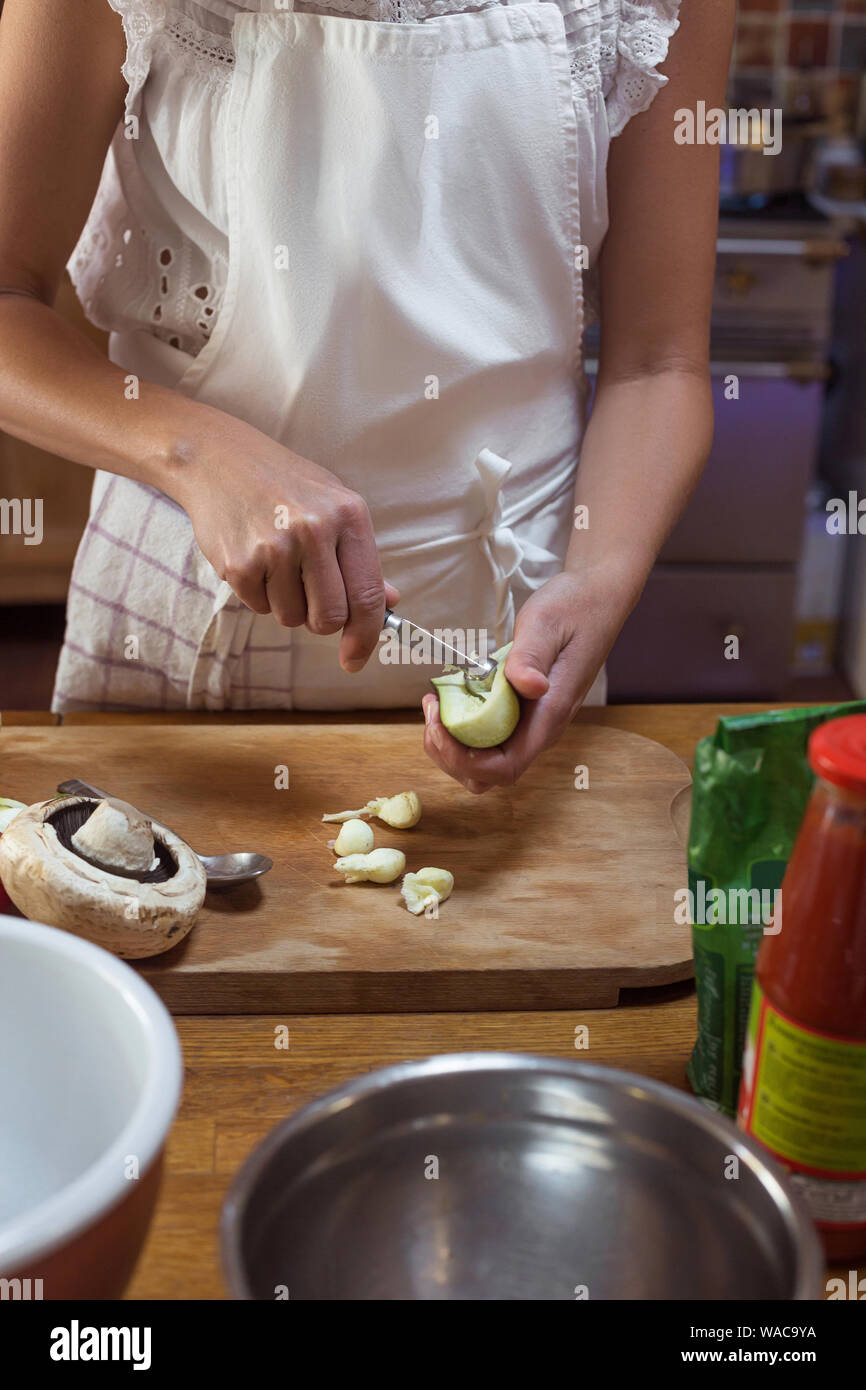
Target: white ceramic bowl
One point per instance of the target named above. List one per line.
(90, 1079)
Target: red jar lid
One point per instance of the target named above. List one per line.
(837, 752)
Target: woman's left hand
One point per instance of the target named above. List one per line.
(561, 638)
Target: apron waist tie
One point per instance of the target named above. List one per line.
(506, 552)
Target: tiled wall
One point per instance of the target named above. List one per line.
(807, 56)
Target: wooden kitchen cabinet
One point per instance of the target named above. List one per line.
(748, 507)
(677, 635)
(40, 573)
(730, 565)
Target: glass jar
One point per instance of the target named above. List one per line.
(803, 1093)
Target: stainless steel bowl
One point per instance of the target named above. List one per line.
(504, 1176)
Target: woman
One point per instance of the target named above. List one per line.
(340, 251)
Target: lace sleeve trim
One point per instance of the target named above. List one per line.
(645, 30)
(142, 21)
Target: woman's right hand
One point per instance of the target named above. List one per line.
(61, 97)
(287, 536)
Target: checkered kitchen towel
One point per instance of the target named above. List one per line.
(149, 623)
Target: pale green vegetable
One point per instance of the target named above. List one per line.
(8, 811)
(478, 713)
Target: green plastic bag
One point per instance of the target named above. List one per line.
(751, 784)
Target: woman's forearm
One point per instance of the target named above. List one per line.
(58, 392)
(645, 448)
(285, 533)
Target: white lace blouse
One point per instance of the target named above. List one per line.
(152, 257)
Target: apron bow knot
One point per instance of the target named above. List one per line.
(505, 551)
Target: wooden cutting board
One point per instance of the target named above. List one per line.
(562, 897)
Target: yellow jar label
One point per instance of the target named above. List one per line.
(804, 1094)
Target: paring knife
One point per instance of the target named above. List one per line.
(394, 623)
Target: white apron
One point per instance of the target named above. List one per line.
(404, 307)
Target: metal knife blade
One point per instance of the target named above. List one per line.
(394, 623)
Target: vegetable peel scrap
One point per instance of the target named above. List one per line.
(426, 889)
(380, 866)
(355, 837)
(401, 811)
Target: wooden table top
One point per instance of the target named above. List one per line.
(238, 1085)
